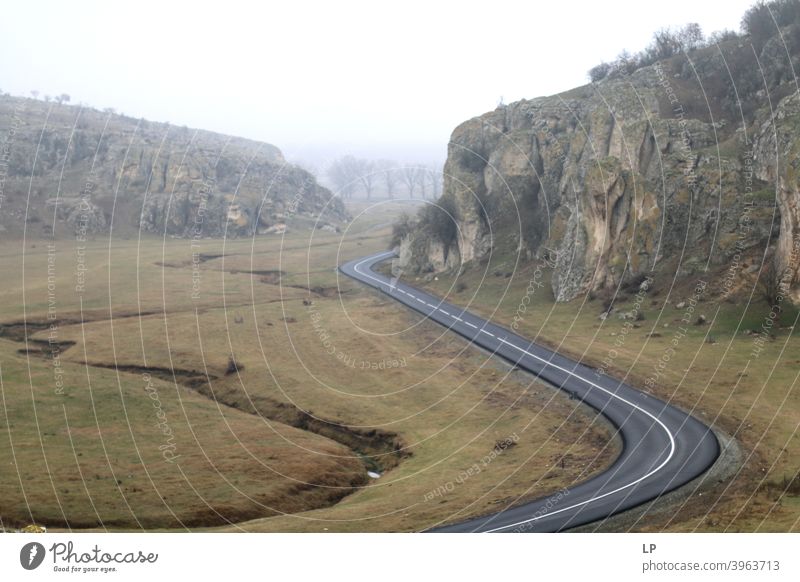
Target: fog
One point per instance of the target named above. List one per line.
(319, 79)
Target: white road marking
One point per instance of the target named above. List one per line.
(579, 377)
(618, 489)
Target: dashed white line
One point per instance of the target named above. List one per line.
(593, 385)
(629, 403)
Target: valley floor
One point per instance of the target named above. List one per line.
(688, 346)
(243, 384)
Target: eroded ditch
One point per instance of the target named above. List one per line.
(378, 450)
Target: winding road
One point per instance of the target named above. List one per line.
(662, 446)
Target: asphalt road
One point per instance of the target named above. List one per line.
(663, 447)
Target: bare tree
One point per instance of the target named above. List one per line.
(719, 36)
(665, 44)
(344, 175)
(771, 287)
(388, 169)
(422, 181)
(409, 175)
(35, 94)
(691, 36)
(435, 180)
(759, 24)
(626, 63)
(366, 175)
(63, 98)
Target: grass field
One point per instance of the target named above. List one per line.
(244, 384)
(725, 371)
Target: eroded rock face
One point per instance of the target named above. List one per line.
(777, 162)
(82, 216)
(139, 175)
(619, 178)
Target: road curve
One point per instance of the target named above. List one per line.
(662, 446)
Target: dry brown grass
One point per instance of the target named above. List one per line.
(713, 372)
(446, 408)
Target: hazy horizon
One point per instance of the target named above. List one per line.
(386, 84)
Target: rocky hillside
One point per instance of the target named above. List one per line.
(69, 171)
(681, 167)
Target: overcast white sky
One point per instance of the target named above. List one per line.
(379, 79)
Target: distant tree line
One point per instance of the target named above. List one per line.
(60, 99)
(759, 24)
(666, 43)
(351, 176)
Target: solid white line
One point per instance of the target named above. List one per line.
(579, 377)
(618, 489)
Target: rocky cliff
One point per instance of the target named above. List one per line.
(68, 170)
(680, 167)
